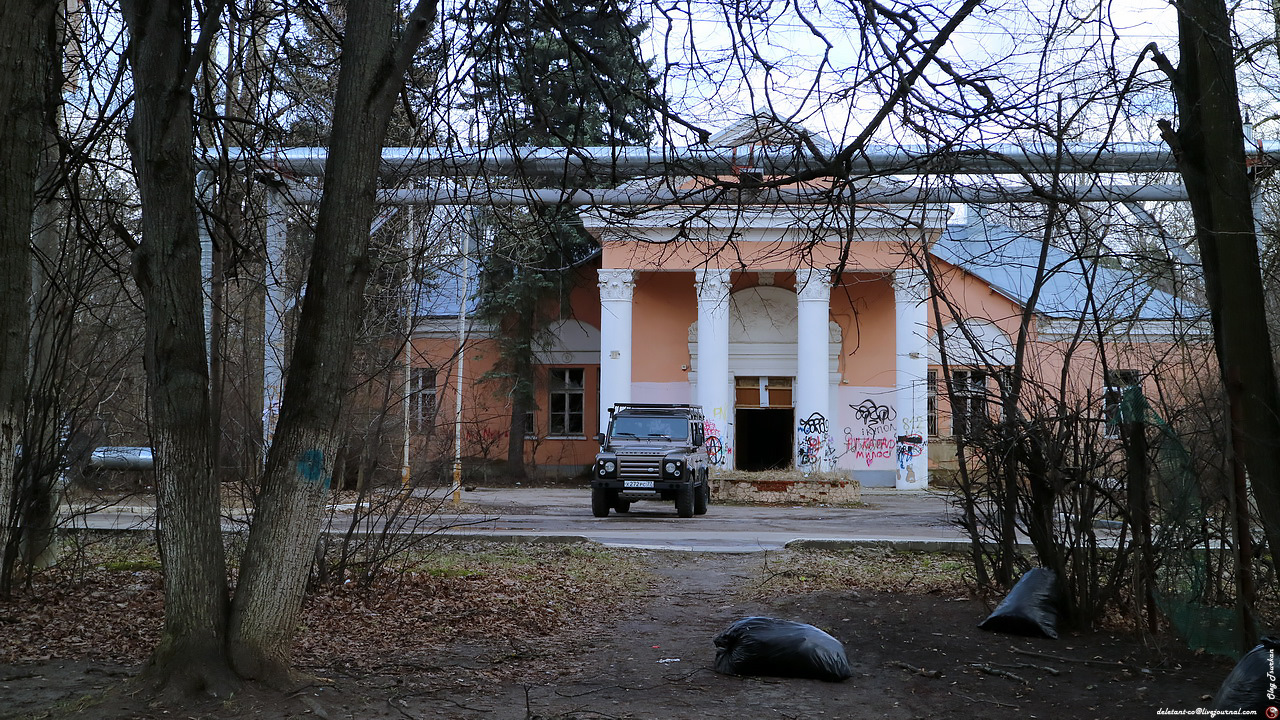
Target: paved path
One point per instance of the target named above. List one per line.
(906, 519)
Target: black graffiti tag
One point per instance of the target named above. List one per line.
(871, 413)
(815, 424)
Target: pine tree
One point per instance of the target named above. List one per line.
(550, 73)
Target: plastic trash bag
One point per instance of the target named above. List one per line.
(781, 648)
(1030, 608)
(1251, 680)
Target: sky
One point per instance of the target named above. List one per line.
(808, 61)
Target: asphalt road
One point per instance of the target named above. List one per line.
(904, 519)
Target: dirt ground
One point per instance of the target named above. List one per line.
(913, 656)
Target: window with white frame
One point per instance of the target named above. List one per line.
(566, 402)
(422, 397)
(968, 402)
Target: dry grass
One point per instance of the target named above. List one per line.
(104, 602)
(871, 569)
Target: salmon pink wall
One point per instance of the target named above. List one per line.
(863, 306)
(974, 298)
(665, 304)
(755, 254)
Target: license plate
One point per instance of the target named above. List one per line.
(638, 484)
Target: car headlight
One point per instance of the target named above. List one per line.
(672, 468)
(610, 467)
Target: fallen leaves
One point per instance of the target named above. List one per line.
(520, 593)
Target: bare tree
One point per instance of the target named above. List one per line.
(282, 540)
(27, 46)
(1209, 145)
(164, 58)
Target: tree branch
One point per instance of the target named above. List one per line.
(210, 24)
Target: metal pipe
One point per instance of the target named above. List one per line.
(464, 292)
(633, 161)
(759, 198)
(407, 390)
(274, 344)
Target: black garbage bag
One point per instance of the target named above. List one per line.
(1030, 608)
(1250, 682)
(780, 648)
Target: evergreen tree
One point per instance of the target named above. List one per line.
(559, 73)
(552, 73)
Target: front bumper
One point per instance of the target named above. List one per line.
(638, 487)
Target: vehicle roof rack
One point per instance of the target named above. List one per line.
(654, 406)
(657, 405)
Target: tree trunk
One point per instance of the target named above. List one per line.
(1133, 434)
(191, 654)
(27, 43)
(286, 525)
(43, 445)
(1209, 144)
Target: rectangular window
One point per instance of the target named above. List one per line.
(746, 391)
(567, 402)
(762, 392)
(969, 404)
(422, 397)
(778, 392)
(931, 383)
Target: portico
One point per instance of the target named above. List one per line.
(778, 317)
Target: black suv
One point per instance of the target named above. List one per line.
(652, 452)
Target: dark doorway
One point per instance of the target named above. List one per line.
(763, 439)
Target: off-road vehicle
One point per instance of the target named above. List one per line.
(651, 452)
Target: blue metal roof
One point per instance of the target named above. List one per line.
(439, 296)
(1073, 286)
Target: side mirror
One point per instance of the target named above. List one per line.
(600, 438)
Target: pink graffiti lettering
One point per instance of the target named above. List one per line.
(870, 449)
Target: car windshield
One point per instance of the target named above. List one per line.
(668, 428)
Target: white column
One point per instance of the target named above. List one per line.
(713, 362)
(813, 380)
(912, 323)
(616, 289)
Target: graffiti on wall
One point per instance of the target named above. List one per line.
(868, 449)
(815, 424)
(814, 450)
(876, 419)
(909, 448)
(872, 437)
(913, 426)
(717, 450)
